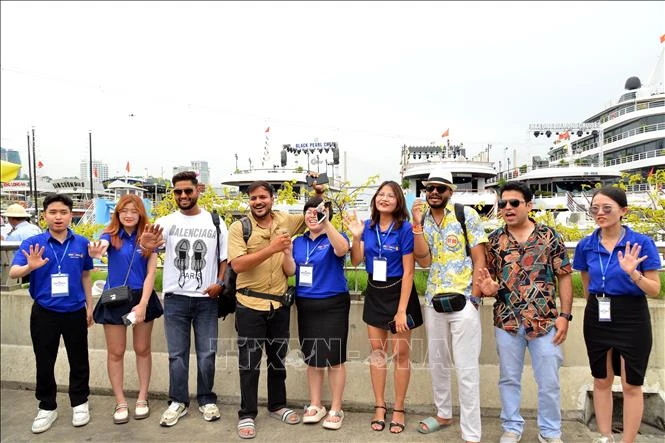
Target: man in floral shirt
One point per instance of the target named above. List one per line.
(527, 259)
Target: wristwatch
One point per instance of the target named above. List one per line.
(567, 316)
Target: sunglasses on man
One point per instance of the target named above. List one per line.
(513, 202)
(439, 188)
(187, 191)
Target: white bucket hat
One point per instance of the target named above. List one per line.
(440, 176)
(16, 211)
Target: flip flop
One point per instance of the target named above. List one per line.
(283, 415)
(246, 423)
(431, 423)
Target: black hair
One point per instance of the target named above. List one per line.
(185, 176)
(314, 202)
(261, 184)
(614, 193)
(62, 198)
(520, 187)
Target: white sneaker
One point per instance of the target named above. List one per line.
(510, 437)
(542, 439)
(210, 412)
(604, 439)
(44, 420)
(172, 414)
(80, 415)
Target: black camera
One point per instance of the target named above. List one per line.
(320, 180)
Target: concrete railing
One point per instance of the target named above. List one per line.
(17, 363)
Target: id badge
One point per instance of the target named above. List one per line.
(604, 311)
(380, 269)
(306, 275)
(59, 285)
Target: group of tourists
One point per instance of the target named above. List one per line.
(521, 265)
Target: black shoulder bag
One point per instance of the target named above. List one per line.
(120, 294)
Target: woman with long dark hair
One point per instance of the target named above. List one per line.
(618, 267)
(385, 243)
(132, 266)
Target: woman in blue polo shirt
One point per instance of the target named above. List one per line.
(618, 267)
(120, 240)
(385, 243)
(323, 303)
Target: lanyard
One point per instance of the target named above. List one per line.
(378, 237)
(64, 254)
(313, 249)
(603, 269)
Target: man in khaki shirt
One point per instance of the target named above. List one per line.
(259, 321)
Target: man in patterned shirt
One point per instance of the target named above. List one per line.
(440, 244)
(527, 259)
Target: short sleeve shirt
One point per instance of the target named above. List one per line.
(119, 260)
(451, 269)
(390, 244)
(590, 252)
(70, 257)
(328, 269)
(268, 277)
(22, 231)
(527, 274)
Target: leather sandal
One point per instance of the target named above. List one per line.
(380, 423)
(394, 424)
(142, 410)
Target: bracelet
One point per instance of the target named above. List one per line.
(639, 278)
(418, 233)
(220, 282)
(416, 228)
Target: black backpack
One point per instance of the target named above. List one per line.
(461, 218)
(226, 302)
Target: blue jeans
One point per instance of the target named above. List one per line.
(546, 358)
(180, 314)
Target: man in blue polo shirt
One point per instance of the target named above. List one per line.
(61, 286)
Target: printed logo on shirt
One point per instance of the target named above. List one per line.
(192, 232)
(75, 255)
(391, 247)
(452, 243)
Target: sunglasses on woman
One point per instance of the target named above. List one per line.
(595, 210)
(187, 191)
(513, 202)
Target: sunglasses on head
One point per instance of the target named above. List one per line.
(439, 188)
(187, 191)
(513, 202)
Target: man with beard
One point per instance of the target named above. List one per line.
(441, 244)
(261, 319)
(191, 284)
(527, 259)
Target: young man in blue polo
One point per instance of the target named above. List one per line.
(60, 265)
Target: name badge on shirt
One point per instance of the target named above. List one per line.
(604, 311)
(59, 285)
(306, 275)
(380, 269)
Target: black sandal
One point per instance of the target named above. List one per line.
(394, 424)
(381, 423)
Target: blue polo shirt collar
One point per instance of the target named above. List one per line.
(592, 245)
(49, 237)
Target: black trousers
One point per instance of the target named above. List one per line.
(258, 329)
(46, 327)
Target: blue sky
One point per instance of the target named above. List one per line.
(204, 79)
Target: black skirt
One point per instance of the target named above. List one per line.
(382, 300)
(323, 328)
(628, 334)
(112, 315)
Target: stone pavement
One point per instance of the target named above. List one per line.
(18, 408)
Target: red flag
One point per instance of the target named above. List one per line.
(662, 38)
(94, 172)
(267, 129)
(565, 135)
(445, 133)
(127, 167)
(40, 164)
(650, 173)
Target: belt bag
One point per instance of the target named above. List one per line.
(286, 300)
(115, 296)
(448, 302)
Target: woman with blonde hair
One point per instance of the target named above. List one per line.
(385, 243)
(128, 265)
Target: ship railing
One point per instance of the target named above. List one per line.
(635, 131)
(636, 157)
